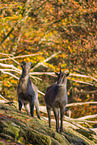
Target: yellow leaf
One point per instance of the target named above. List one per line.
(88, 96)
(68, 93)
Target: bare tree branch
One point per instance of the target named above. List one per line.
(15, 57)
(43, 73)
(41, 92)
(81, 119)
(82, 103)
(13, 68)
(9, 74)
(10, 66)
(5, 54)
(3, 98)
(34, 73)
(46, 60)
(84, 76)
(82, 82)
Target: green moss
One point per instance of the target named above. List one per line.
(2, 143)
(54, 142)
(6, 136)
(20, 128)
(21, 140)
(41, 139)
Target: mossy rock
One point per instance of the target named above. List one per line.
(19, 128)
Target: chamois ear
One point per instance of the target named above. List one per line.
(21, 65)
(23, 62)
(56, 73)
(60, 71)
(32, 65)
(67, 74)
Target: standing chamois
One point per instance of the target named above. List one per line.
(27, 92)
(56, 98)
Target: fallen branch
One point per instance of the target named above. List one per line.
(43, 109)
(82, 103)
(87, 117)
(83, 119)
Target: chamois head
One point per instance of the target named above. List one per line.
(62, 77)
(26, 67)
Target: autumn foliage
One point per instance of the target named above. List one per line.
(35, 30)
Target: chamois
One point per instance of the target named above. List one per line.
(27, 92)
(56, 98)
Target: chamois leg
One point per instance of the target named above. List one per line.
(56, 113)
(32, 108)
(27, 108)
(61, 116)
(20, 104)
(37, 108)
(49, 115)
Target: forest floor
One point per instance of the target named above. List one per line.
(18, 128)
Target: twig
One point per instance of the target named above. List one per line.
(7, 35)
(43, 38)
(41, 92)
(36, 78)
